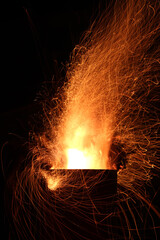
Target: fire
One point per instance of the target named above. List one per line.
(81, 159)
(77, 160)
(106, 117)
(84, 150)
(80, 155)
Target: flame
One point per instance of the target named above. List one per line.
(77, 159)
(107, 107)
(81, 160)
(84, 151)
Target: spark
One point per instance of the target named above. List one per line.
(106, 117)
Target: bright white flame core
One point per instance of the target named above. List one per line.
(79, 160)
(85, 149)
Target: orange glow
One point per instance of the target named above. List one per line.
(77, 160)
(105, 116)
(81, 160)
(85, 150)
(52, 182)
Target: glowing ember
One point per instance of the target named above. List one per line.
(52, 182)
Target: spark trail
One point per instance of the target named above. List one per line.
(107, 116)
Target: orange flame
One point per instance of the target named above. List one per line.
(85, 149)
(110, 96)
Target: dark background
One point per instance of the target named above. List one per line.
(36, 39)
